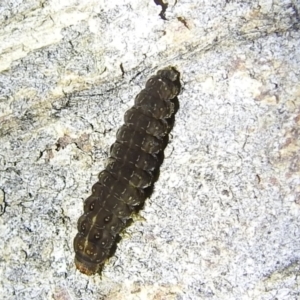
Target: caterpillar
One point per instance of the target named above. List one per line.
(130, 172)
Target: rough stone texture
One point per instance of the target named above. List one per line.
(223, 221)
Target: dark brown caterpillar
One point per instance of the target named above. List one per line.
(130, 171)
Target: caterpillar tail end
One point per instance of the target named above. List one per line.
(87, 268)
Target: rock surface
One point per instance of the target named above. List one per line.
(223, 221)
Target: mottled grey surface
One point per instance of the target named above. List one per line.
(223, 221)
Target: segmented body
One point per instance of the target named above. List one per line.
(131, 168)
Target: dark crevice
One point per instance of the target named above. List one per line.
(122, 70)
(164, 7)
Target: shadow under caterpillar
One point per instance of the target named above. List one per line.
(130, 173)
